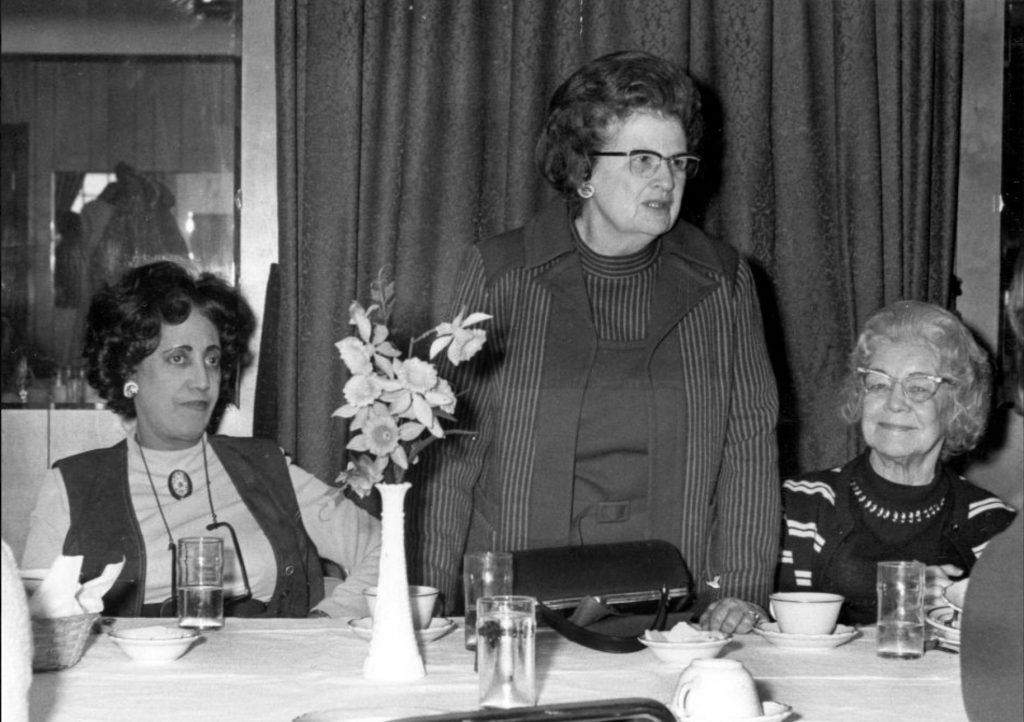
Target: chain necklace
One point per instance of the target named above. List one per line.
(159, 506)
(209, 527)
(899, 517)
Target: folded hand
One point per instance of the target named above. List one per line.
(732, 616)
(937, 578)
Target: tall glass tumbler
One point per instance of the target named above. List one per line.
(901, 591)
(506, 628)
(484, 574)
(201, 582)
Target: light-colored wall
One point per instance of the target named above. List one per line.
(31, 441)
(259, 188)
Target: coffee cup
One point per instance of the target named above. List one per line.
(805, 612)
(421, 603)
(719, 689)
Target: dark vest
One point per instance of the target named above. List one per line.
(104, 528)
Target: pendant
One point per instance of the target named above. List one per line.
(179, 484)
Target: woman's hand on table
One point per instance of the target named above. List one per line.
(731, 616)
(936, 579)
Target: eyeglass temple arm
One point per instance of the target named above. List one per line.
(238, 551)
(174, 577)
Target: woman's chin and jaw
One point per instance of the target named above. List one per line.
(898, 451)
(180, 427)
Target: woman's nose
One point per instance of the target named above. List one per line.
(664, 176)
(896, 398)
(201, 377)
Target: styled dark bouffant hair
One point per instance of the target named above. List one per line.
(964, 409)
(126, 318)
(608, 89)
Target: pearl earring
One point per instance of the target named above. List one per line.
(586, 190)
(130, 389)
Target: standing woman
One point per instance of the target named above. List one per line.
(918, 387)
(163, 349)
(625, 391)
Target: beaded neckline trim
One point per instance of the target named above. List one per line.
(898, 517)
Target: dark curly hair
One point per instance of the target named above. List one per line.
(608, 89)
(126, 318)
(964, 404)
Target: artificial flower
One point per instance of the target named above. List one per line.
(396, 405)
(462, 342)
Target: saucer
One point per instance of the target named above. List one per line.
(438, 627)
(773, 712)
(842, 635)
(945, 623)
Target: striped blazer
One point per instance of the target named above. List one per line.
(819, 518)
(712, 457)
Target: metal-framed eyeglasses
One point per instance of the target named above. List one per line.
(645, 163)
(917, 388)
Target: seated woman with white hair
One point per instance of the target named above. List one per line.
(918, 386)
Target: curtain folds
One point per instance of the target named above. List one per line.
(407, 132)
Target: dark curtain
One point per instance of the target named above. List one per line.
(407, 132)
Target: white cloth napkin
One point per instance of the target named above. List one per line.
(60, 594)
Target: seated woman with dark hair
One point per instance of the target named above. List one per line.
(163, 349)
(919, 387)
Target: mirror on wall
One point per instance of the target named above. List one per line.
(120, 132)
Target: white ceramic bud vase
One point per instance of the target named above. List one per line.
(394, 655)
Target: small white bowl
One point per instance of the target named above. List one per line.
(680, 654)
(154, 644)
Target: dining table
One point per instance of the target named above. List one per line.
(277, 670)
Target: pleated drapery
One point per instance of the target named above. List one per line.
(407, 132)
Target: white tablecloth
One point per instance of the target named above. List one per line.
(276, 670)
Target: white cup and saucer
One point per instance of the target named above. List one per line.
(422, 603)
(724, 691)
(806, 620)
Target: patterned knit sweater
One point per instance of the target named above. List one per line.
(839, 523)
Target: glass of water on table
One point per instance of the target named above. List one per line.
(201, 582)
(484, 574)
(506, 653)
(901, 591)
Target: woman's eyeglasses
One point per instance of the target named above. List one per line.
(916, 388)
(645, 163)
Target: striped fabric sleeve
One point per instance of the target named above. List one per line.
(450, 469)
(804, 503)
(749, 503)
(987, 515)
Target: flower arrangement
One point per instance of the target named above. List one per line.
(395, 403)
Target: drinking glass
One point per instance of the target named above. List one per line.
(506, 629)
(201, 582)
(901, 589)
(484, 574)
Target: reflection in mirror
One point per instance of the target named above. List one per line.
(109, 160)
(105, 223)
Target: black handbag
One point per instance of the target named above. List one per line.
(604, 596)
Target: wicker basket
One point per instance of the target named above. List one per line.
(58, 643)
